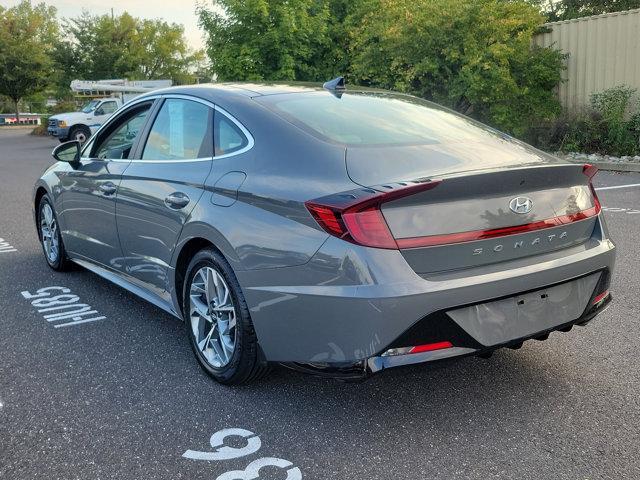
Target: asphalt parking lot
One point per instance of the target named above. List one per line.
(122, 396)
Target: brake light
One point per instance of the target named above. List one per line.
(357, 217)
(590, 171)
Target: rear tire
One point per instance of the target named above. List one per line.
(50, 237)
(219, 326)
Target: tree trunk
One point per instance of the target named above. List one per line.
(15, 102)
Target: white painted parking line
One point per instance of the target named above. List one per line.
(64, 306)
(628, 211)
(619, 186)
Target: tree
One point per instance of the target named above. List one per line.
(98, 47)
(27, 34)
(567, 9)
(472, 55)
(277, 39)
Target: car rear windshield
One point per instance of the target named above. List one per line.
(375, 119)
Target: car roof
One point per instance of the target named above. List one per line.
(227, 91)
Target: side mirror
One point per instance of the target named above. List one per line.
(67, 152)
(98, 112)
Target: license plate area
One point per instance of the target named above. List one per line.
(501, 321)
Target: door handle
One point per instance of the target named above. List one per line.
(108, 188)
(177, 200)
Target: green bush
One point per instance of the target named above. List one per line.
(610, 125)
(41, 129)
(475, 56)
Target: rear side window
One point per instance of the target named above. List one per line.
(180, 131)
(360, 118)
(228, 136)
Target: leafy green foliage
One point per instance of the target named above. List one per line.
(472, 55)
(98, 47)
(27, 33)
(610, 126)
(277, 39)
(567, 9)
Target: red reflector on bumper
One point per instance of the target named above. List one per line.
(600, 297)
(429, 347)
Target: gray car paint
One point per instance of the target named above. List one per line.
(87, 212)
(312, 297)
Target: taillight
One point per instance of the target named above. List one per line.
(357, 217)
(590, 171)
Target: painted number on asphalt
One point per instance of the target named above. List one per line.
(6, 247)
(222, 452)
(58, 304)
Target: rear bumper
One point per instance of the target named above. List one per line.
(350, 303)
(378, 363)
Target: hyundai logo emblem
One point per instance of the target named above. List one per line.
(521, 205)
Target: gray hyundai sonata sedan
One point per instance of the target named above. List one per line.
(339, 231)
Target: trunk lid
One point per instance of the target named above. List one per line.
(495, 202)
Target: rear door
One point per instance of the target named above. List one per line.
(161, 186)
(90, 189)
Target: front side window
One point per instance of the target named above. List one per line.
(117, 141)
(181, 131)
(108, 108)
(228, 137)
(90, 106)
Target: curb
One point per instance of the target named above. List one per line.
(618, 167)
(614, 166)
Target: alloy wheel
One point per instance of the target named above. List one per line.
(80, 136)
(213, 316)
(49, 231)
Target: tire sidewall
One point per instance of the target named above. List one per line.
(209, 258)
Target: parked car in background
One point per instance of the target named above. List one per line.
(337, 231)
(80, 125)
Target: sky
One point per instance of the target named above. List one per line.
(177, 11)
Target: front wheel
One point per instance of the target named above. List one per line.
(218, 322)
(80, 133)
(50, 237)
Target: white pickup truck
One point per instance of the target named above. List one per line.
(80, 125)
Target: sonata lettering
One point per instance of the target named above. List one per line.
(522, 244)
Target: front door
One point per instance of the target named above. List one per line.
(161, 186)
(89, 191)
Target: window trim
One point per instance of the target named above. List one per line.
(245, 131)
(115, 117)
